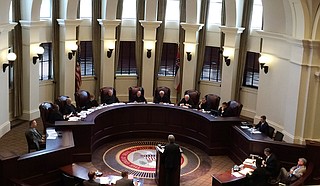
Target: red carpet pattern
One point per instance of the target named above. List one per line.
(139, 159)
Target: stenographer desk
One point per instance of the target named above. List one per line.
(150, 121)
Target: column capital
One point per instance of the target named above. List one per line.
(30, 24)
(191, 27)
(7, 27)
(150, 24)
(109, 23)
(69, 22)
(231, 30)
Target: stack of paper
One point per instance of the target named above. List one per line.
(52, 134)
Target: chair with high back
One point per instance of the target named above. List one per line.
(61, 102)
(278, 136)
(235, 108)
(166, 91)
(45, 109)
(194, 96)
(104, 93)
(271, 132)
(133, 92)
(82, 98)
(213, 101)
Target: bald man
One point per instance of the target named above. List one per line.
(161, 98)
(186, 101)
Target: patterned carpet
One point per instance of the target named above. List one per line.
(139, 158)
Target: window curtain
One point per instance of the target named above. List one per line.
(139, 37)
(204, 11)
(96, 43)
(162, 6)
(246, 22)
(55, 47)
(17, 65)
(181, 47)
(118, 33)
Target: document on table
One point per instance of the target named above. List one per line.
(244, 127)
(237, 174)
(245, 171)
(52, 134)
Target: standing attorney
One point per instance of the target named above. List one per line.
(172, 160)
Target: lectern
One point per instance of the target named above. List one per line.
(161, 171)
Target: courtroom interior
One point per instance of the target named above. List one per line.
(108, 78)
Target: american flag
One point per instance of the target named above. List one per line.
(177, 77)
(78, 80)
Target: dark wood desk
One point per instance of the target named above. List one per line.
(228, 179)
(151, 121)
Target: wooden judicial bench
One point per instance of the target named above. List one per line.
(213, 135)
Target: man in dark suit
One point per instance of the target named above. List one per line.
(172, 159)
(186, 101)
(204, 104)
(161, 98)
(271, 163)
(139, 98)
(111, 98)
(124, 181)
(263, 126)
(55, 115)
(35, 136)
(224, 110)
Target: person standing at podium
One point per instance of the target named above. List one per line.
(172, 159)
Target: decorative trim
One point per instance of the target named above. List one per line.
(231, 30)
(69, 22)
(7, 27)
(111, 23)
(150, 24)
(33, 24)
(191, 27)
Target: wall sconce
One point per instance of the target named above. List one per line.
(149, 53)
(189, 56)
(39, 51)
(11, 58)
(109, 52)
(226, 53)
(263, 60)
(74, 49)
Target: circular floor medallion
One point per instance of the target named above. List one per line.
(139, 158)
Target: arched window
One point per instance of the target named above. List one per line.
(45, 9)
(129, 9)
(173, 10)
(85, 8)
(214, 16)
(257, 13)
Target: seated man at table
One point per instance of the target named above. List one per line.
(124, 181)
(263, 126)
(55, 115)
(204, 104)
(139, 98)
(162, 98)
(224, 110)
(111, 98)
(258, 176)
(294, 173)
(35, 136)
(92, 102)
(186, 101)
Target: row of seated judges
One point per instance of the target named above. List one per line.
(63, 107)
